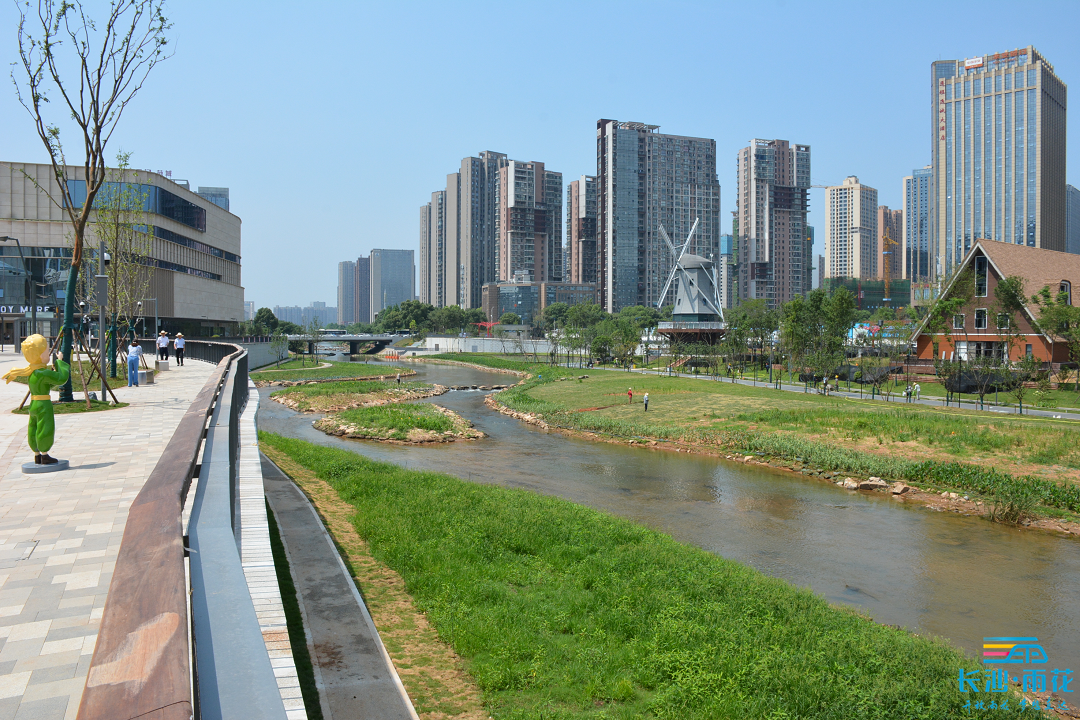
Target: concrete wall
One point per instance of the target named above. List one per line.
(481, 345)
(259, 354)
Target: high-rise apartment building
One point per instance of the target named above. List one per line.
(890, 227)
(820, 272)
(644, 179)
(458, 234)
(771, 206)
(725, 272)
(915, 238)
(998, 147)
(1072, 220)
(363, 289)
(346, 292)
(851, 231)
(529, 227)
(580, 263)
(392, 278)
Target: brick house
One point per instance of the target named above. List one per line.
(975, 327)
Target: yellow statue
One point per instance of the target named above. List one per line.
(42, 426)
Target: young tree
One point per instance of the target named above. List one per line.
(112, 60)
(510, 318)
(1061, 321)
(279, 345)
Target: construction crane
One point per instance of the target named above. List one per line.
(887, 243)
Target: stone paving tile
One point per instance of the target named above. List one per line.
(51, 601)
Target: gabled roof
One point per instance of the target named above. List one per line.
(1037, 267)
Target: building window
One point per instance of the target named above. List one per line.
(1066, 288)
(1003, 321)
(1027, 351)
(980, 276)
(958, 322)
(980, 319)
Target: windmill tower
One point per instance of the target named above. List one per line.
(697, 297)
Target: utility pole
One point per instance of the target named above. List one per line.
(102, 291)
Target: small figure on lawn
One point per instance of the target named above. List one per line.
(42, 426)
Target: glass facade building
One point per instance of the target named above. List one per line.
(1072, 220)
(998, 146)
(644, 179)
(915, 239)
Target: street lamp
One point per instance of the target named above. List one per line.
(30, 279)
(153, 300)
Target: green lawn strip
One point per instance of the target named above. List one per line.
(565, 612)
(95, 385)
(295, 622)
(393, 422)
(1039, 440)
(336, 370)
(79, 406)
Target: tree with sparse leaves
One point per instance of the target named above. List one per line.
(111, 59)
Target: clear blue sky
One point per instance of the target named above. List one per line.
(332, 126)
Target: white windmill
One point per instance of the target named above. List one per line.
(696, 298)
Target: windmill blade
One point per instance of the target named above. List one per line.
(664, 235)
(690, 237)
(663, 294)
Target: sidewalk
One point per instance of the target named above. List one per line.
(60, 533)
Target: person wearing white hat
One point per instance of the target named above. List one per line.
(178, 343)
(163, 346)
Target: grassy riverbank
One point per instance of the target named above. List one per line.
(565, 612)
(414, 422)
(1030, 461)
(336, 370)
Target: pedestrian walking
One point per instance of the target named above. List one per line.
(646, 398)
(917, 390)
(399, 378)
(163, 345)
(178, 343)
(134, 354)
(630, 394)
(907, 394)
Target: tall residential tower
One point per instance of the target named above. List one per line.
(851, 231)
(580, 263)
(774, 244)
(644, 179)
(917, 252)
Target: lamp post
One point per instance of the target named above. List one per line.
(153, 300)
(30, 279)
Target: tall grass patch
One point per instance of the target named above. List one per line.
(395, 421)
(565, 612)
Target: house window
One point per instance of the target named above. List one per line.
(980, 319)
(1066, 288)
(958, 322)
(1003, 321)
(980, 276)
(1027, 351)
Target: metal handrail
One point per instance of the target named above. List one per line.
(140, 664)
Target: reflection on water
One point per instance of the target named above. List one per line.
(963, 578)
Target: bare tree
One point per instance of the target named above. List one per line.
(114, 58)
(279, 345)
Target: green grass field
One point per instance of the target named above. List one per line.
(564, 612)
(79, 406)
(336, 370)
(393, 422)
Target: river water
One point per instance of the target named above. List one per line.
(959, 577)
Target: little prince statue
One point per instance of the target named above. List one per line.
(40, 378)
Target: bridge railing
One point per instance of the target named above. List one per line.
(140, 667)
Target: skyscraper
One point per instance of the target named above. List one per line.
(771, 207)
(915, 237)
(529, 228)
(580, 263)
(1072, 220)
(392, 278)
(346, 293)
(998, 159)
(458, 234)
(851, 231)
(890, 255)
(725, 272)
(363, 289)
(645, 178)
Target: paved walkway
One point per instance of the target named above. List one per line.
(60, 533)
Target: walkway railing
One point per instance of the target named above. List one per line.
(141, 666)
